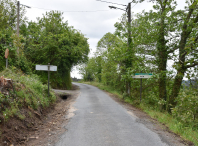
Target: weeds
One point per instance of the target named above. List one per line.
(28, 91)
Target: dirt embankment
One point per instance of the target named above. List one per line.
(41, 127)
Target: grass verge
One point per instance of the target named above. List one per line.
(26, 91)
(186, 132)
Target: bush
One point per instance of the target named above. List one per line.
(187, 108)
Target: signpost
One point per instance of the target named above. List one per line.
(6, 56)
(47, 68)
(142, 76)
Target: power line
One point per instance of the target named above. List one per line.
(111, 3)
(71, 11)
(134, 5)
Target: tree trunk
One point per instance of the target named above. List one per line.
(181, 69)
(162, 60)
(176, 88)
(162, 86)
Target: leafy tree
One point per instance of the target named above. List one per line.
(106, 66)
(51, 40)
(159, 22)
(8, 38)
(187, 46)
(157, 36)
(89, 70)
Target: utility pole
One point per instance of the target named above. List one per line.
(18, 19)
(128, 60)
(129, 25)
(18, 9)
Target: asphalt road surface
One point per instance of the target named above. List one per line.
(100, 121)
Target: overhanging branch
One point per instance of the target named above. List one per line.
(191, 65)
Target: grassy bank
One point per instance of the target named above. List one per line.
(26, 91)
(187, 132)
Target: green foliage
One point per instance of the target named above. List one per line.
(106, 66)
(186, 109)
(51, 40)
(157, 36)
(160, 35)
(92, 70)
(28, 91)
(8, 38)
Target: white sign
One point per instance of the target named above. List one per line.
(142, 75)
(45, 67)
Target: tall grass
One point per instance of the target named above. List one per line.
(27, 91)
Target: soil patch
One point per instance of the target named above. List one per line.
(42, 127)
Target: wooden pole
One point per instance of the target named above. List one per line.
(48, 78)
(18, 9)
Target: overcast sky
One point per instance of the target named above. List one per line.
(93, 18)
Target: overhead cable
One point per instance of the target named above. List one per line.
(134, 5)
(70, 11)
(111, 3)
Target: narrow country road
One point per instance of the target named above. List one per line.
(100, 121)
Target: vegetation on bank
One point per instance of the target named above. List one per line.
(50, 39)
(183, 121)
(26, 91)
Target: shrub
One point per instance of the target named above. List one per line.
(187, 107)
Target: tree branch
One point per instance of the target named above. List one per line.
(191, 65)
(173, 49)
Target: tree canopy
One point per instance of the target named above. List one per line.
(48, 40)
(158, 36)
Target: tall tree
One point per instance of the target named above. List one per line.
(8, 15)
(51, 40)
(187, 46)
(175, 32)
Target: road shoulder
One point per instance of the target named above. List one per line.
(53, 126)
(162, 130)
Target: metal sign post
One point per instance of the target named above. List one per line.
(142, 76)
(47, 68)
(48, 78)
(140, 89)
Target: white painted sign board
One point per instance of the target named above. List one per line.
(45, 67)
(142, 75)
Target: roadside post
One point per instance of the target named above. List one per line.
(48, 77)
(6, 56)
(47, 68)
(142, 76)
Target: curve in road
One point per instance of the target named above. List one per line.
(100, 121)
